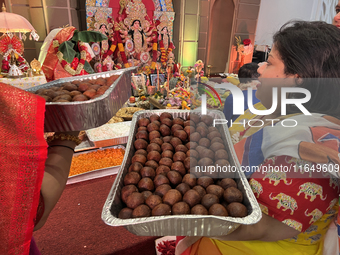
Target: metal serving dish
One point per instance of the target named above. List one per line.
(75, 116)
(179, 225)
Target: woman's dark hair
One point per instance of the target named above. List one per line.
(131, 31)
(248, 72)
(312, 51)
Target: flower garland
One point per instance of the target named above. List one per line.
(76, 67)
(165, 54)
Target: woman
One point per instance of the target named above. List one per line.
(297, 206)
(32, 176)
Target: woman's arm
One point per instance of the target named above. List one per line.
(57, 168)
(267, 229)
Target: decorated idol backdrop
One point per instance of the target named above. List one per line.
(139, 33)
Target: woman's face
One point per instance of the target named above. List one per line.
(272, 75)
(336, 19)
(136, 24)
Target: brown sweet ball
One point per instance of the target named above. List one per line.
(165, 115)
(203, 131)
(101, 90)
(153, 147)
(192, 198)
(236, 209)
(157, 140)
(215, 190)
(189, 179)
(181, 134)
(142, 135)
(160, 179)
(189, 130)
(151, 163)
(227, 183)
(95, 87)
(154, 134)
(179, 167)
(141, 211)
(154, 117)
(202, 124)
(176, 127)
(167, 147)
(166, 162)
(125, 213)
(217, 139)
(152, 127)
(199, 210)
(172, 197)
(213, 134)
(192, 153)
(100, 81)
(161, 210)
(208, 154)
(195, 137)
(205, 181)
(217, 146)
(52, 94)
(142, 129)
(205, 142)
(153, 200)
(162, 189)
(135, 167)
(140, 144)
(179, 156)
(165, 130)
(127, 191)
(142, 151)
(180, 208)
(190, 162)
(167, 139)
(132, 178)
(201, 191)
(138, 158)
(183, 188)
(154, 155)
(181, 148)
(221, 154)
(200, 149)
(174, 177)
(233, 194)
(146, 184)
(74, 93)
(218, 210)
(157, 122)
(143, 122)
(148, 172)
(162, 170)
(211, 129)
(146, 194)
(194, 117)
(175, 141)
(134, 200)
(90, 93)
(191, 145)
(69, 86)
(78, 98)
(189, 123)
(76, 82)
(167, 122)
(64, 97)
(167, 154)
(209, 199)
(178, 121)
(205, 162)
(207, 119)
(47, 98)
(82, 87)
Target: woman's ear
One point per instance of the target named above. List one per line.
(298, 79)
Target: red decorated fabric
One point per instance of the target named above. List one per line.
(23, 152)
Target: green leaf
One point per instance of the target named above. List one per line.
(88, 68)
(68, 52)
(88, 36)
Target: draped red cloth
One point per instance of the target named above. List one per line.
(23, 151)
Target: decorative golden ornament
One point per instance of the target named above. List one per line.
(35, 65)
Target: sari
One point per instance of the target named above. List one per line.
(305, 197)
(23, 151)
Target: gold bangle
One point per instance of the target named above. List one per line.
(64, 137)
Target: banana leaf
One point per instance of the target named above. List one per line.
(68, 52)
(88, 36)
(88, 68)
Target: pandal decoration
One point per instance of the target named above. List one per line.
(77, 65)
(165, 23)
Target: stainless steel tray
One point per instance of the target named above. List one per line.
(112, 140)
(179, 225)
(98, 173)
(75, 116)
